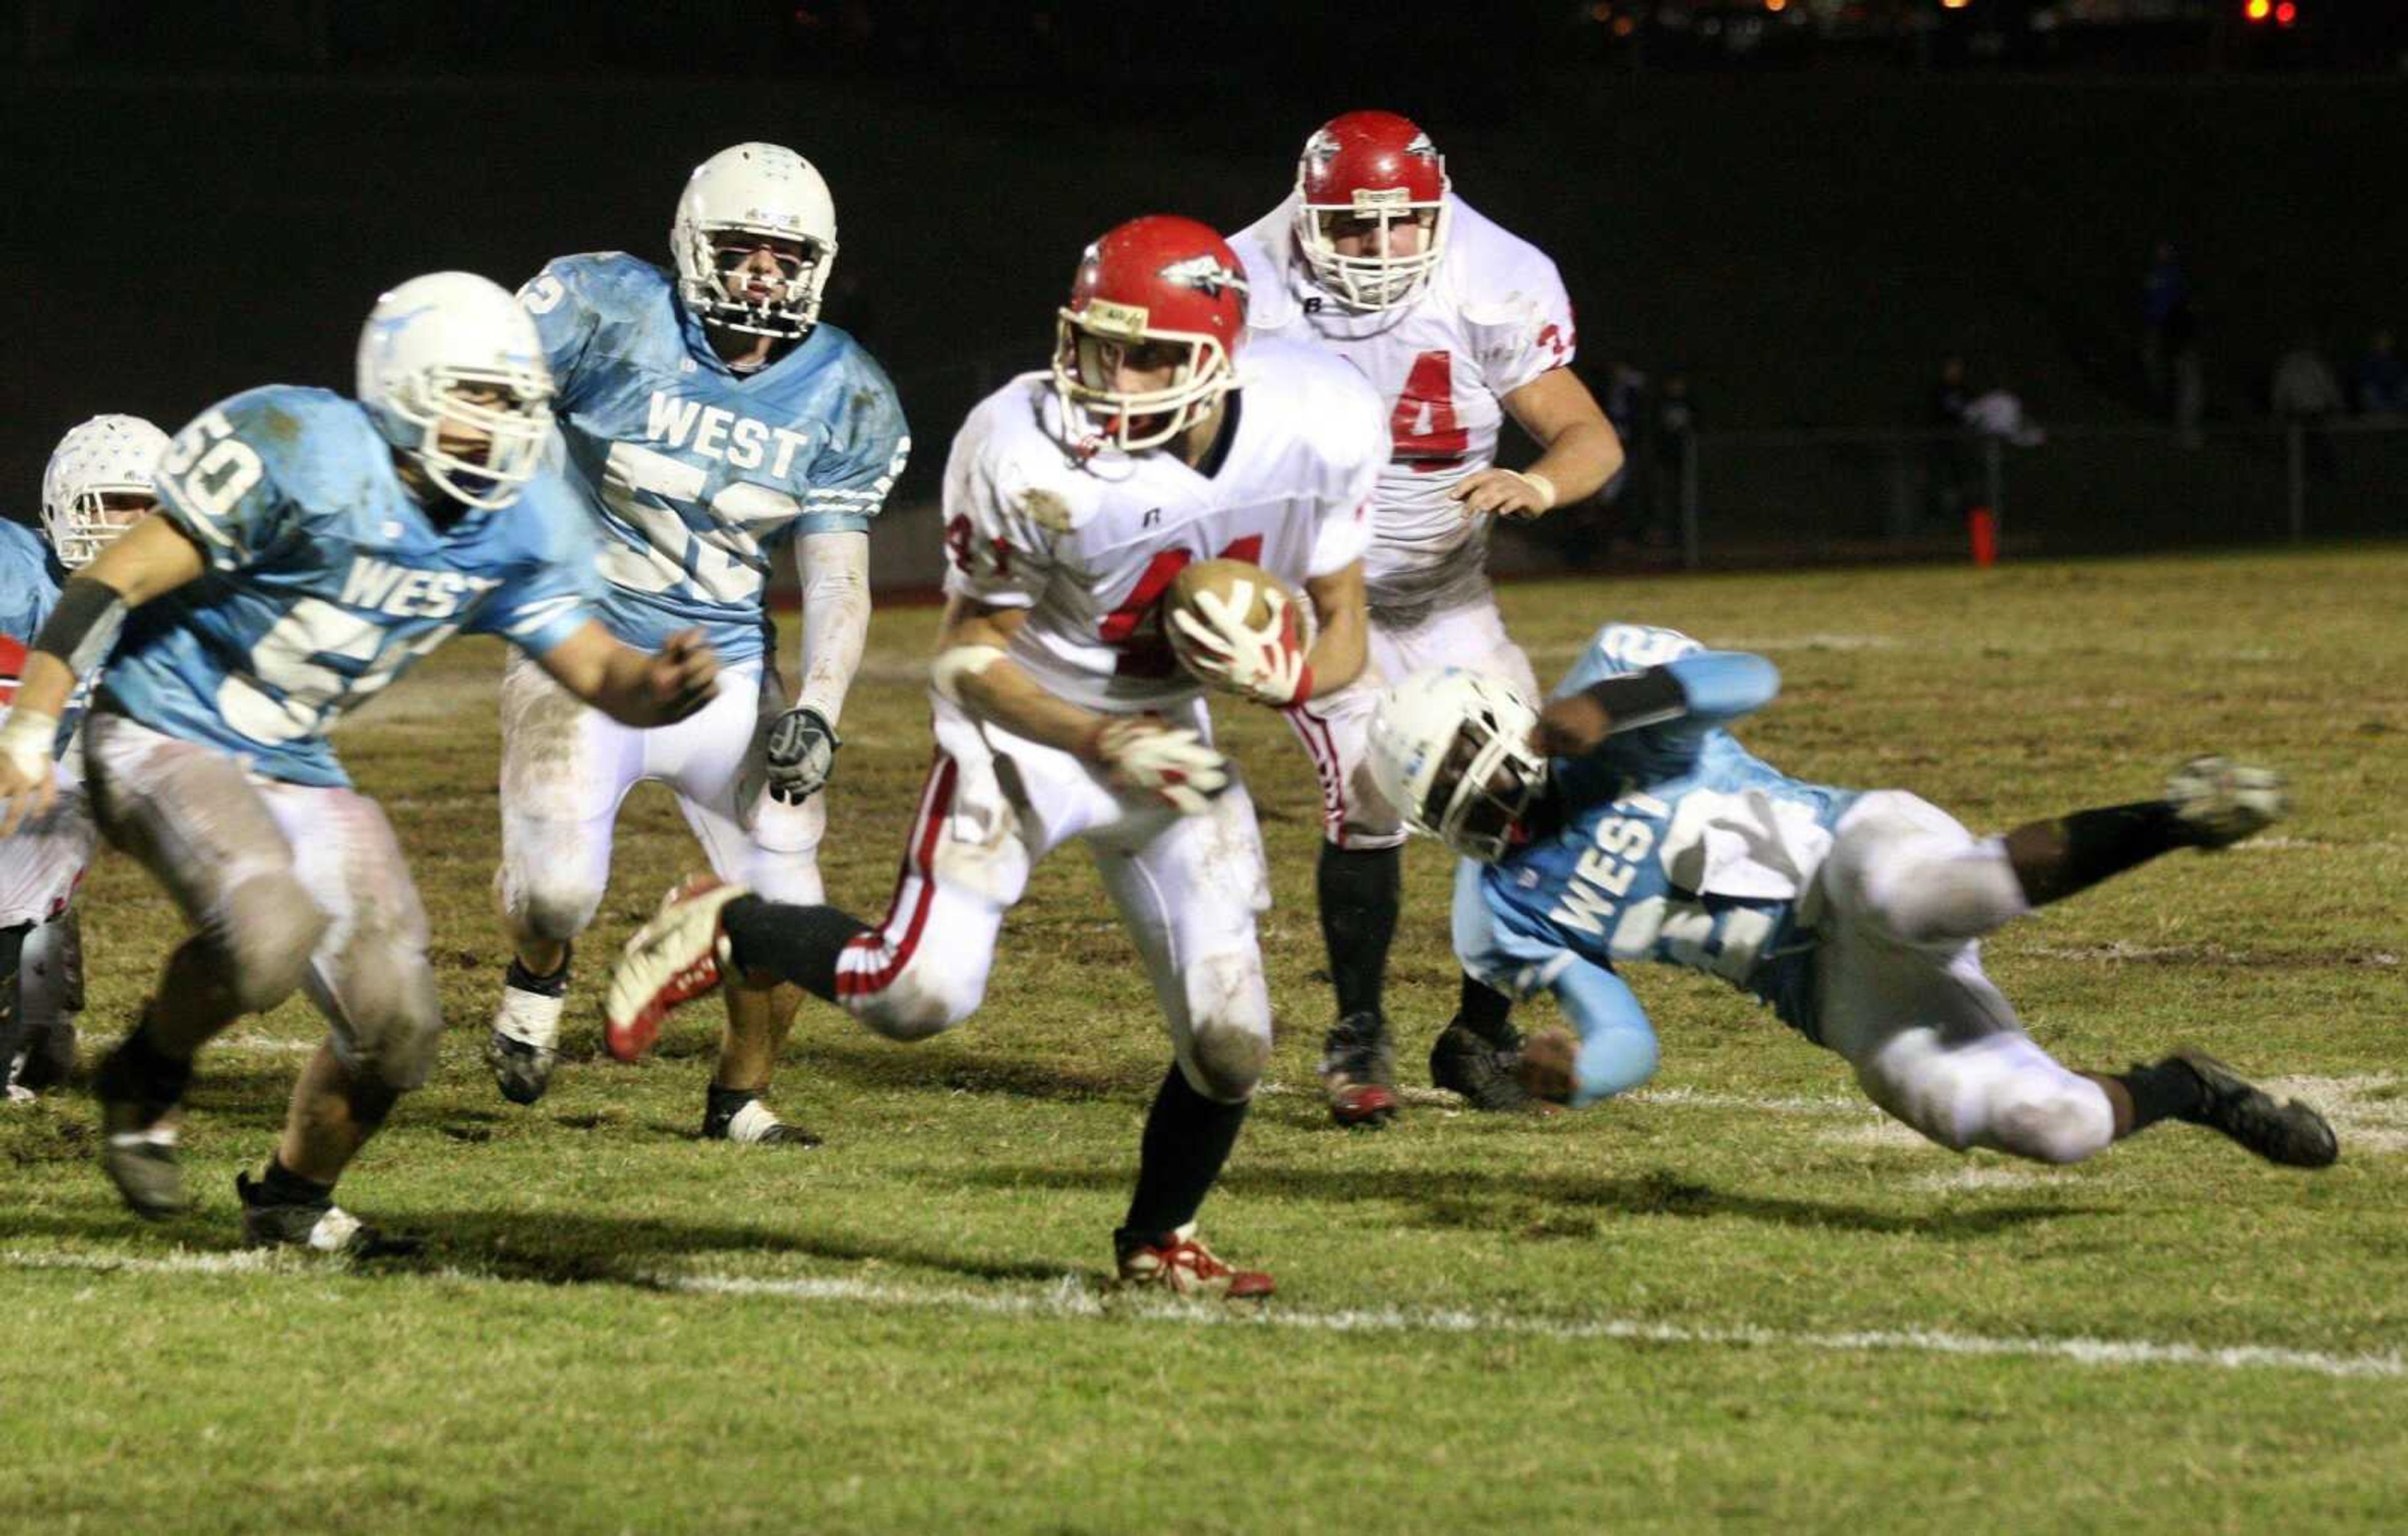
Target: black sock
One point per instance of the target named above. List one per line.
(2165, 1092)
(2052, 859)
(723, 1103)
(555, 985)
(1487, 1013)
(1187, 1139)
(12, 1016)
(280, 1186)
(139, 1073)
(796, 944)
(1359, 889)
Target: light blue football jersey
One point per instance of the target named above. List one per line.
(696, 474)
(1671, 844)
(326, 580)
(30, 578)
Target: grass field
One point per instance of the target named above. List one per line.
(1740, 1299)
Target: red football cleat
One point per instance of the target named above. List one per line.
(672, 960)
(1185, 1267)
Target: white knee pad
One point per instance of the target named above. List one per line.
(1229, 1025)
(265, 931)
(553, 905)
(2064, 1122)
(919, 1003)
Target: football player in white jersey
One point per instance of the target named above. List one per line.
(710, 418)
(1458, 325)
(98, 484)
(1073, 501)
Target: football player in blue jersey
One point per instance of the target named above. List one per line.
(1622, 822)
(306, 550)
(712, 419)
(96, 485)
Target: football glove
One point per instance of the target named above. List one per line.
(1171, 763)
(1266, 664)
(801, 754)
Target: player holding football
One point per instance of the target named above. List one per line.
(1072, 501)
(711, 418)
(1458, 325)
(1622, 822)
(96, 485)
(306, 550)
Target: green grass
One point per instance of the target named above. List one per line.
(553, 1363)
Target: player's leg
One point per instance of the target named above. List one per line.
(713, 762)
(371, 980)
(1904, 997)
(1357, 883)
(1189, 895)
(566, 767)
(40, 978)
(2210, 803)
(1476, 1055)
(192, 817)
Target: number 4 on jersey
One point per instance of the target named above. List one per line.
(1423, 424)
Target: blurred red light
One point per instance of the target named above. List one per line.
(2285, 13)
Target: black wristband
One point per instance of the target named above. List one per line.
(1639, 698)
(82, 630)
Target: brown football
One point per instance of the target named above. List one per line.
(1224, 578)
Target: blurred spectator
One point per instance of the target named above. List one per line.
(2164, 302)
(2305, 395)
(2189, 371)
(1669, 446)
(1948, 465)
(1624, 399)
(2380, 379)
(1999, 412)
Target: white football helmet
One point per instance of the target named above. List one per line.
(764, 191)
(107, 456)
(1450, 749)
(434, 336)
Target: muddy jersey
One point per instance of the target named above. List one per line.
(1492, 318)
(1089, 543)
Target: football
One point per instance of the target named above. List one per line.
(1224, 578)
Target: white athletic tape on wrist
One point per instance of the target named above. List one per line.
(947, 672)
(1539, 483)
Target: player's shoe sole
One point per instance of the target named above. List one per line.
(671, 960)
(2223, 801)
(2291, 1133)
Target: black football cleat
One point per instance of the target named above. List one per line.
(2291, 1135)
(317, 1225)
(1467, 1063)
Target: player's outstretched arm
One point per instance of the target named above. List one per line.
(1616, 1048)
(1694, 692)
(152, 557)
(629, 686)
(1341, 642)
(1581, 452)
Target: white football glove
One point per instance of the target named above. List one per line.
(1264, 665)
(1169, 763)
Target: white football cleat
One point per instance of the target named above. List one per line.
(2223, 801)
(1185, 1267)
(672, 960)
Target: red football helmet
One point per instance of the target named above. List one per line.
(1373, 167)
(1157, 292)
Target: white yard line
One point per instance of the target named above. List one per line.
(1073, 1299)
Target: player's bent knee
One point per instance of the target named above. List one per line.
(553, 911)
(2055, 1125)
(264, 933)
(1227, 1060)
(915, 1007)
(1229, 1025)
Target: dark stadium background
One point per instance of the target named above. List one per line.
(204, 197)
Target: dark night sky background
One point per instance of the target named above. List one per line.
(208, 197)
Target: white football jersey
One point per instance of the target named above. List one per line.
(1090, 545)
(1492, 318)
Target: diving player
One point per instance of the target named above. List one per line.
(1072, 503)
(96, 485)
(306, 550)
(1459, 324)
(712, 420)
(1623, 823)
